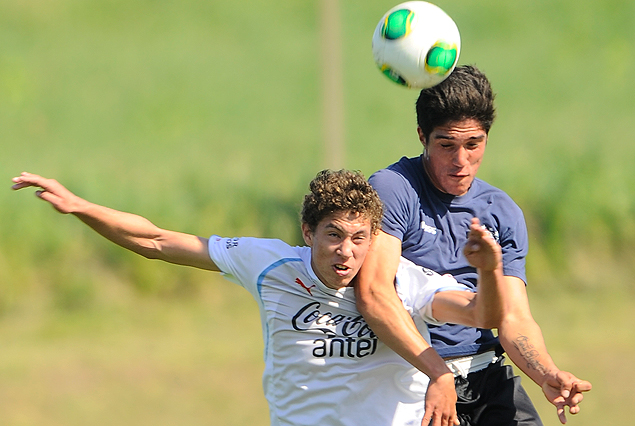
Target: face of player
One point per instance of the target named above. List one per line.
(453, 154)
(338, 247)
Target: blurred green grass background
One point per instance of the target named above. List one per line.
(206, 117)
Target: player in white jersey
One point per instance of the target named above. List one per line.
(323, 364)
(318, 348)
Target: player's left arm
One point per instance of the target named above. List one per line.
(523, 341)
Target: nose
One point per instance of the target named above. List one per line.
(461, 157)
(346, 248)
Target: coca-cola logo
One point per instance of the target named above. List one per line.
(345, 335)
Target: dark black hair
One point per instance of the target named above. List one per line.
(465, 94)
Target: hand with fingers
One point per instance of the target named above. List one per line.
(50, 190)
(441, 402)
(563, 389)
(481, 250)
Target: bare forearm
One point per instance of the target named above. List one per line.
(481, 309)
(387, 317)
(485, 254)
(128, 230)
(141, 236)
(523, 341)
(394, 326)
(382, 309)
(488, 307)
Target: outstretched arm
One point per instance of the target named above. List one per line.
(382, 309)
(522, 339)
(127, 230)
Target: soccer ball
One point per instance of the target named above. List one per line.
(416, 44)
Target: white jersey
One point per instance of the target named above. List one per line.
(323, 364)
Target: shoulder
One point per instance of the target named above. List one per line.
(403, 170)
(500, 214)
(244, 259)
(250, 250)
(253, 242)
(496, 197)
(398, 179)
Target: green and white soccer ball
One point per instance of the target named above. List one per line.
(416, 44)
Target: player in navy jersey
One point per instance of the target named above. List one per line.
(429, 202)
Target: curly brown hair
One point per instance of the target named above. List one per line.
(342, 190)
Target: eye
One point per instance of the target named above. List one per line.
(358, 239)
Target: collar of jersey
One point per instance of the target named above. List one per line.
(340, 293)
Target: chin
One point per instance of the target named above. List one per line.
(345, 283)
(457, 191)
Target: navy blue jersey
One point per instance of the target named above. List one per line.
(433, 227)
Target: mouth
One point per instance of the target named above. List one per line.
(341, 269)
(459, 175)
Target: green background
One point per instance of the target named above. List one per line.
(206, 117)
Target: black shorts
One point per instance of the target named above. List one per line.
(494, 397)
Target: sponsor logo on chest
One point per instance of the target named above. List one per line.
(429, 229)
(343, 335)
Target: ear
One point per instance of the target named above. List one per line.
(422, 137)
(307, 234)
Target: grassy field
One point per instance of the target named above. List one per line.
(206, 117)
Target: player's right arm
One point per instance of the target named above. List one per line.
(382, 309)
(128, 230)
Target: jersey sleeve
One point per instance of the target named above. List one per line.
(394, 194)
(242, 260)
(514, 243)
(416, 286)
